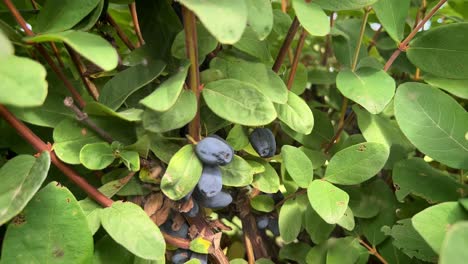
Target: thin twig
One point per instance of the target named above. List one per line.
(57, 54)
(90, 87)
(286, 44)
(136, 25)
(328, 48)
(373, 251)
(191, 43)
(292, 195)
(120, 32)
(373, 41)
(347, 121)
(284, 6)
(297, 55)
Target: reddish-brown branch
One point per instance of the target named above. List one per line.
(57, 54)
(286, 44)
(39, 145)
(373, 251)
(335, 138)
(404, 44)
(191, 43)
(297, 55)
(120, 32)
(284, 6)
(90, 87)
(176, 241)
(328, 48)
(373, 41)
(136, 25)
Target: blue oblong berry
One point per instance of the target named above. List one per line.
(211, 181)
(214, 151)
(263, 141)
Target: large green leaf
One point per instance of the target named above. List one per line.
(312, 17)
(392, 15)
(318, 230)
(250, 44)
(258, 74)
(437, 50)
(21, 177)
(346, 250)
(182, 174)
(165, 96)
(260, 17)
(298, 165)
(371, 88)
(97, 156)
(357, 163)
(23, 82)
(456, 87)
(129, 226)
(290, 220)
(296, 114)
(328, 201)
(432, 222)
(415, 176)
(337, 5)
(237, 173)
(51, 229)
(123, 84)
(92, 47)
(59, 15)
(182, 112)
(252, 108)
(453, 249)
(225, 19)
(434, 122)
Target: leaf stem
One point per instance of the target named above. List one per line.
(361, 37)
(120, 32)
(373, 251)
(191, 44)
(286, 44)
(57, 54)
(92, 90)
(297, 55)
(404, 44)
(136, 24)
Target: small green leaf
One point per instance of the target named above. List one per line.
(225, 19)
(318, 230)
(356, 164)
(328, 201)
(131, 159)
(296, 114)
(337, 5)
(54, 217)
(290, 220)
(123, 84)
(392, 15)
(432, 222)
(260, 17)
(453, 249)
(96, 156)
(129, 226)
(6, 48)
(347, 221)
(23, 82)
(238, 137)
(97, 109)
(250, 44)
(206, 44)
(371, 88)
(434, 122)
(237, 173)
(298, 165)
(267, 181)
(312, 17)
(200, 245)
(252, 107)
(263, 203)
(165, 96)
(345, 250)
(182, 112)
(453, 86)
(92, 47)
(21, 178)
(182, 174)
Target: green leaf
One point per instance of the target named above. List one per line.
(97, 109)
(260, 17)
(165, 96)
(131, 159)
(182, 174)
(200, 245)
(132, 187)
(345, 250)
(453, 86)
(60, 15)
(263, 203)
(59, 228)
(252, 107)
(312, 17)
(356, 164)
(453, 249)
(296, 114)
(250, 44)
(108, 251)
(123, 84)
(238, 137)
(318, 158)
(300, 79)
(298, 165)
(436, 50)
(225, 19)
(392, 15)
(407, 239)
(267, 181)
(259, 75)
(237, 173)
(337, 5)
(129, 226)
(206, 44)
(21, 178)
(296, 252)
(290, 220)
(97, 156)
(318, 230)
(23, 82)
(69, 138)
(328, 201)
(371, 88)
(92, 47)
(6, 48)
(182, 112)
(432, 222)
(362, 201)
(347, 221)
(415, 176)
(434, 122)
